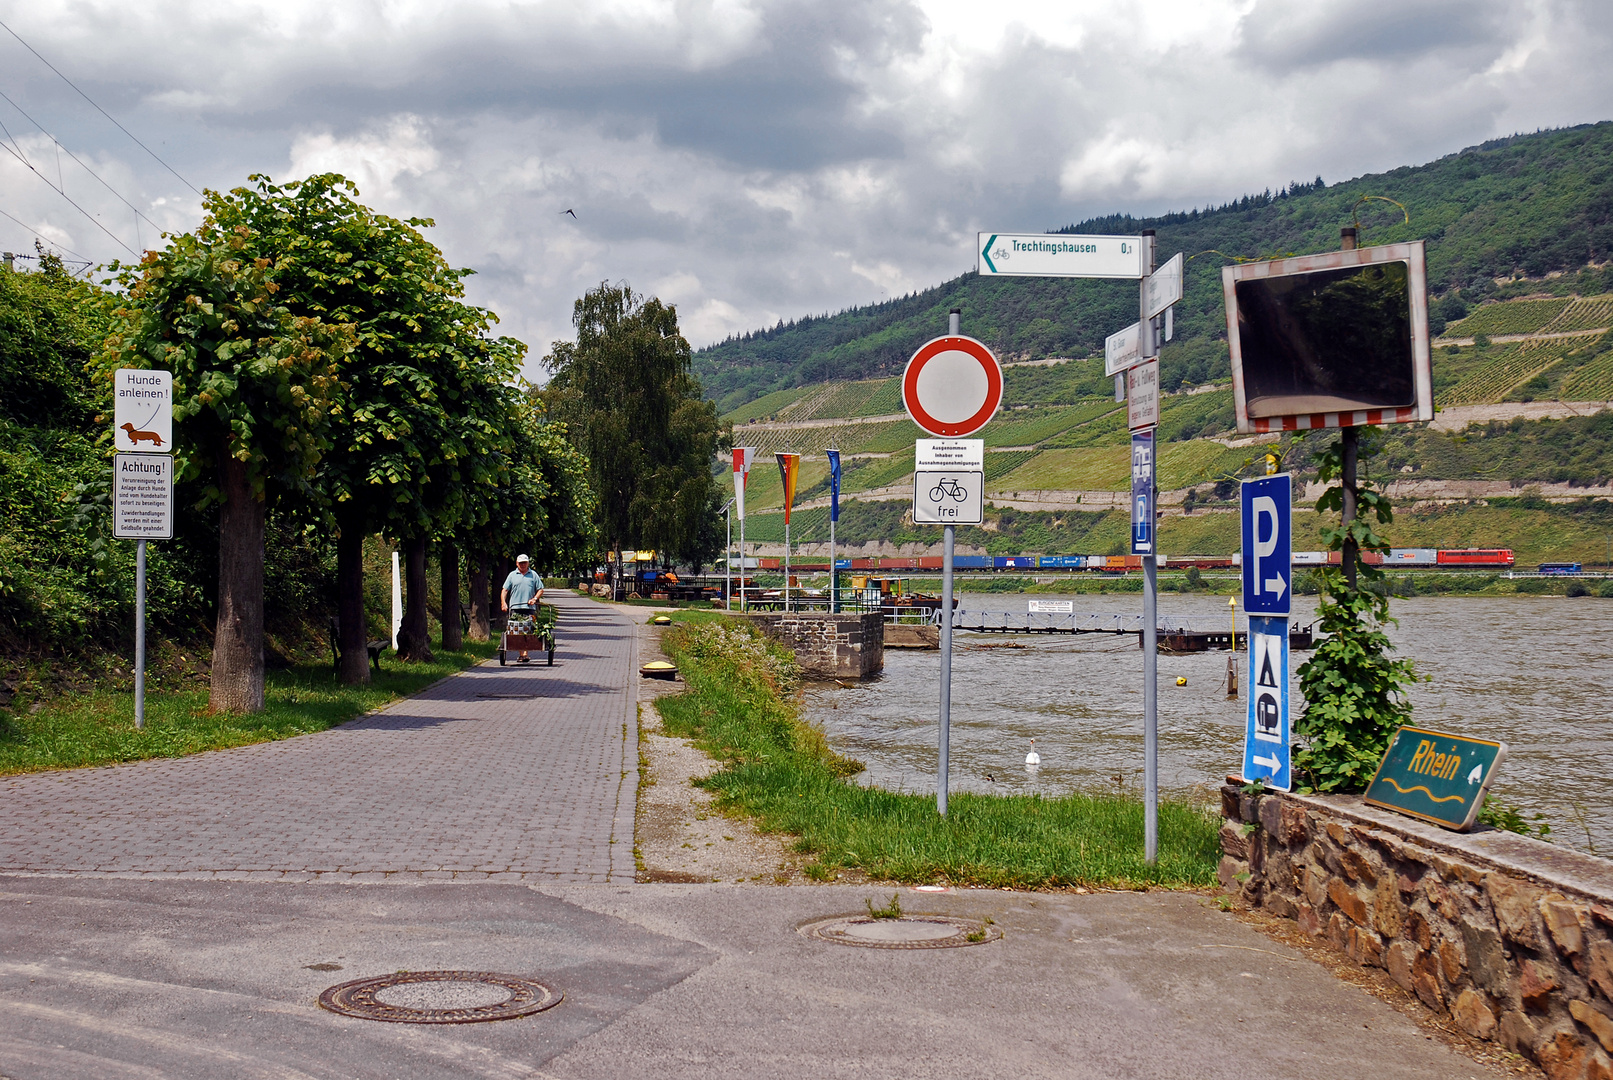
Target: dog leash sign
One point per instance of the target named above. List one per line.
(143, 411)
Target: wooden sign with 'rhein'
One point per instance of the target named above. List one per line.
(1435, 776)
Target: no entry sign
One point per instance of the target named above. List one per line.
(952, 386)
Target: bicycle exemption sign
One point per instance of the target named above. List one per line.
(143, 497)
(949, 481)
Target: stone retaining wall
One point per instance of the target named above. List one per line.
(1512, 937)
(828, 646)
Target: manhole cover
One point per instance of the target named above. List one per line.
(906, 932)
(440, 997)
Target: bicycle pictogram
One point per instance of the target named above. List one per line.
(948, 488)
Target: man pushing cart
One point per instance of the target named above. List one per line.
(520, 597)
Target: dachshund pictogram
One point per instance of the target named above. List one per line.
(137, 437)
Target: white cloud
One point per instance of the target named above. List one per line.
(759, 159)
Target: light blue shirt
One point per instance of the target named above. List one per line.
(522, 587)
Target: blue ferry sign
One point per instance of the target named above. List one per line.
(1266, 753)
(1142, 492)
(1434, 776)
(1267, 544)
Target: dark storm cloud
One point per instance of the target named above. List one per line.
(1285, 35)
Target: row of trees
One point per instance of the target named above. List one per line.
(326, 365)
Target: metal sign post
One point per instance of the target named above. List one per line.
(952, 386)
(834, 516)
(1267, 534)
(1148, 349)
(142, 487)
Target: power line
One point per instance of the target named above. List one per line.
(72, 155)
(98, 108)
(41, 235)
(46, 180)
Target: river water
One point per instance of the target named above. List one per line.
(1533, 672)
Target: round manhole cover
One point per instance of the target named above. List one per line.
(440, 997)
(906, 932)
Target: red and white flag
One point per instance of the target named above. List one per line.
(744, 456)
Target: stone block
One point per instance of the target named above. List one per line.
(1229, 871)
(1229, 802)
(1398, 959)
(1565, 923)
(1486, 958)
(1536, 981)
(1600, 971)
(1316, 886)
(1387, 912)
(1349, 902)
(1311, 923)
(1419, 930)
(1248, 808)
(1294, 825)
(1440, 896)
(1602, 914)
(1473, 1015)
(1233, 842)
(1598, 1067)
(1364, 947)
(1425, 981)
(1280, 905)
(1338, 833)
(1407, 885)
(1515, 904)
(1517, 1033)
(1561, 1053)
(1452, 961)
(1599, 1023)
(1270, 813)
(1338, 932)
(1358, 866)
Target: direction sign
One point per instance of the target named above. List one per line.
(1434, 776)
(1060, 255)
(1163, 287)
(949, 481)
(1123, 349)
(952, 386)
(1267, 544)
(142, 497)
(143, 411)
(1142, 395)
(1265, 740)
(1142, 492)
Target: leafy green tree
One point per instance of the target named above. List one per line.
(253, 388)
(626, 394)
(415, 419)
(1355, 692)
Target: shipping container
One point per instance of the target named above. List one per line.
(1412, 557)
(1061, 562)
(1476, 557)
(929, 562)
(971, 562)
(1013, 562)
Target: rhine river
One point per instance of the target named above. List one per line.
(1533, 672)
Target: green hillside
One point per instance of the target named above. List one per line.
(1498, 217)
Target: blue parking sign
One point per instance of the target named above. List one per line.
(1142, 492)
(1267, 544)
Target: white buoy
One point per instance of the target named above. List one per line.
(1033, 759)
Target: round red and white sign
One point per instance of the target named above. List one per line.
(952, 386)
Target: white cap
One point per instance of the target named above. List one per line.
(522, 558)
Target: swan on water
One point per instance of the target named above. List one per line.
(1033, 758)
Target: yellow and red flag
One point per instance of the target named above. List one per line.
(788, 466)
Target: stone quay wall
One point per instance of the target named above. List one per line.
(1511, 937)
(828, 646)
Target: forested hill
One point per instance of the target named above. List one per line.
(1525, 206)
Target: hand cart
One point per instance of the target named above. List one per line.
(528, 630)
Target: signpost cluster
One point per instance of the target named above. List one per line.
(142, 486)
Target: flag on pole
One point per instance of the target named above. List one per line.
(834, 484)
(743, 457)
(787, 468)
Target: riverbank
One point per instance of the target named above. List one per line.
(741, 707)
(95, 725)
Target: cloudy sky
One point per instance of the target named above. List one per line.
(751, 160)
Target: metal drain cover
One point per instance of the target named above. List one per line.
(440, 997)
(906, 932)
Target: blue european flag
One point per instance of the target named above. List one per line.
(834, 484)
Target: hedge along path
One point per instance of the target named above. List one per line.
(742, 708)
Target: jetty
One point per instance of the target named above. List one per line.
(1174, 635)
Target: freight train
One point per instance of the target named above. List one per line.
(1484, 558)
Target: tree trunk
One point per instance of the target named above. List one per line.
(237, 682)
(480, 630)
(452, 633)
(413, 641)
(350, 599)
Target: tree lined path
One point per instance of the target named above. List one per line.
(506, 774)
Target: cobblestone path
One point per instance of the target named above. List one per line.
(502, 774)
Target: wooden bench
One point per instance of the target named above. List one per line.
(374, 648)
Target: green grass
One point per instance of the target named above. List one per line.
(740, 709)
(97, 727)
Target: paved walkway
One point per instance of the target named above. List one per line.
(504, 774)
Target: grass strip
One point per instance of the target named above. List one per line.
(96, 727)
(742, 709)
